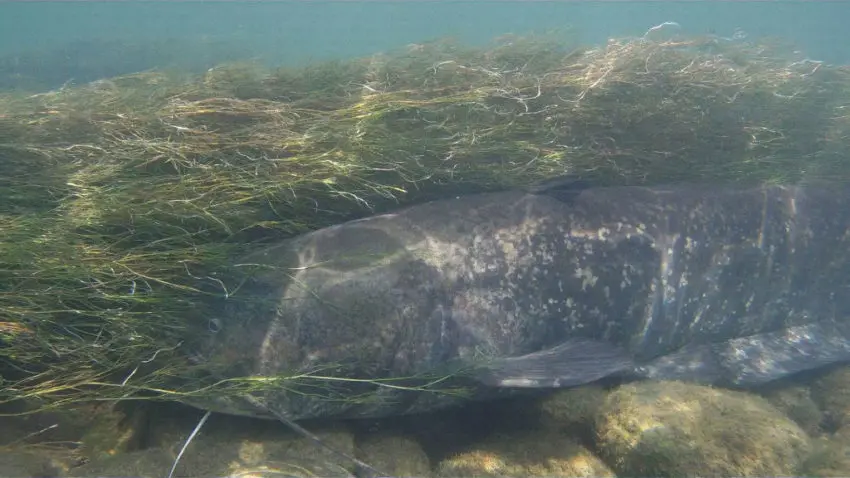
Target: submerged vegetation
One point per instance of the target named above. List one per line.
(123, 202)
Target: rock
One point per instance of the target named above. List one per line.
(830, 457)
(116, 429)
(678, 429)
(394, 454)
(228, 446)
(831, 391)
(443, 434)
(43, 443)
(572, 409)
(796, 402)
(156, 463)
(19, 462)
(236, 445)
(226, 442)
(149, 463)
(529, 454)
(97, 429)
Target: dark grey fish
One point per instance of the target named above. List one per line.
(480, 296)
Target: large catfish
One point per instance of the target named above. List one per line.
(478, 296)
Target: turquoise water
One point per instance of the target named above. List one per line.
(298, 31)
(97, 172)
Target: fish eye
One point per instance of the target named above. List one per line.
(214, 325)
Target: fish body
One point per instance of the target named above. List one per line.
(510, 291)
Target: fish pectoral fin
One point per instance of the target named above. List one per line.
(574, 362)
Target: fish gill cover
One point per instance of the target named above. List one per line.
(125, 200)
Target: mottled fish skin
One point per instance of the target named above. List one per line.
(657, 271)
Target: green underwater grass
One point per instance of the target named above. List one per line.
(126, 200)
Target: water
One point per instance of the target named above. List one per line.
(295, 32)
(150, 152)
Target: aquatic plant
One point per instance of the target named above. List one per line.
(124, 202)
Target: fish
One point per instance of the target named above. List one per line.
(498, 294)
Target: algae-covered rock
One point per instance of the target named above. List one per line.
(114, 430)
(831, 392)
(523, 455)
(830, 457)
(796, 402)
(573, 408)
(148, 463)
(251, 439)
(22, 462)
(58, 440)
(252, 446)
(100, 427)
(230, 445)
(156, 463)
(678, 429)
(394, 454)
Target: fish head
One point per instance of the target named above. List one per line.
(345, 302)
